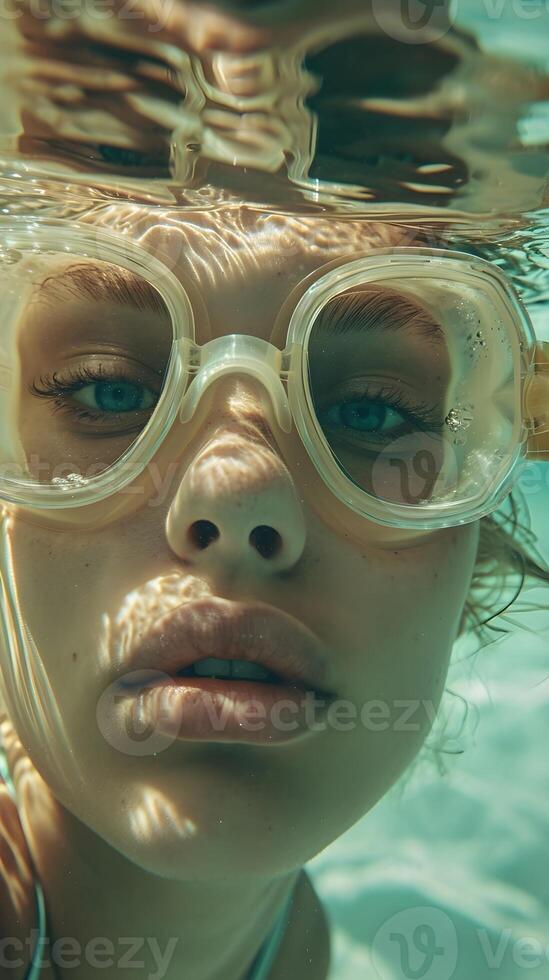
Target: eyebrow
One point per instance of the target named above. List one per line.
(103, 283)
(377, 308)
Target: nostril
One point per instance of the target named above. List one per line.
(202, 533)
(266, 540)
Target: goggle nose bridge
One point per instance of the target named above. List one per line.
(237, 353)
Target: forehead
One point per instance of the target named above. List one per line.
(238, 247)
(244, 267)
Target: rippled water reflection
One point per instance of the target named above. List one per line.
(443, 137)
(354, 119)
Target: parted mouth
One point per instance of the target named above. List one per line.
(233, 640)
(231, 670)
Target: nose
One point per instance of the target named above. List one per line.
(236, 510)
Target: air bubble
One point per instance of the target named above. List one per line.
(70, 481)
(459, 418)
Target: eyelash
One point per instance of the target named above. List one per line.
(56, 389)
(427, 416)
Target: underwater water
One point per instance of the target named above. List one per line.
(448, 876)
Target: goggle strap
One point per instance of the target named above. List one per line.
(537, 405)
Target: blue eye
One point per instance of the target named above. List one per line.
(363, 415)
(115, 396)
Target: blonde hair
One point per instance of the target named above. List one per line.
(507, 558)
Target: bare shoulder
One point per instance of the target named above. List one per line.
(17, 911)
(305, 949)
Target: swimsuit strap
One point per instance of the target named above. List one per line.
(36, 966)
(264, 960)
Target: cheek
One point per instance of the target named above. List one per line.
(393, 618)
(65, 584)
(393, 615)
(69, 589)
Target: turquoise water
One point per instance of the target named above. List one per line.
(518, 28)
(449, 879)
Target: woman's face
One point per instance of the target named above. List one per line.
(384, 613)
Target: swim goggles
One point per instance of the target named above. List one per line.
(412, 376)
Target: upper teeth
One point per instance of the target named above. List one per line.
(237, 669)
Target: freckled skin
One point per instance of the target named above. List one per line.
(388, 615)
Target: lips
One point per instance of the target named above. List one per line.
(162, 700)
(255, 633)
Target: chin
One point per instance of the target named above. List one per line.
(208, 857)
(196, 831)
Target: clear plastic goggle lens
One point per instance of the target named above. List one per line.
(404, 380)
(85, 349)
(416, 388)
